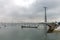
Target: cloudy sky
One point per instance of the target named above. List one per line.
(29, 10)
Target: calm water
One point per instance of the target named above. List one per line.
(13, 31)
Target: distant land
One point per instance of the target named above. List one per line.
(19, 20)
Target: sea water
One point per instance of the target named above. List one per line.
(13, 31)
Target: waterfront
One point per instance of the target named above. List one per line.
(13, 31)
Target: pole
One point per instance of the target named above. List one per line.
(45, 24)
(45, 15)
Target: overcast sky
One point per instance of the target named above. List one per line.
(29, 10)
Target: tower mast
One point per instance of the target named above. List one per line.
(45, 14)
(45, 26)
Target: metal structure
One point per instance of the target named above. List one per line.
(45, 24)
(45, 14)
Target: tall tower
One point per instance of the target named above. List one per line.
(45, 26)
(45, 14)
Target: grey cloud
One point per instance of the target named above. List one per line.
(35, 10)
(50, 5)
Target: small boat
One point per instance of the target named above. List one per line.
(23, 26)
